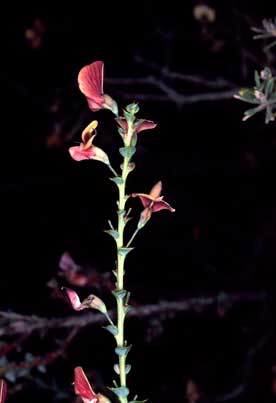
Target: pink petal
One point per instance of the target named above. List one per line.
(145, 199)
(90, 81)
(74, 299)
(82, 386)
(161, 205)
(100, 155)
(156, 190)
(146, 125)
(3, 391)
(80, 154)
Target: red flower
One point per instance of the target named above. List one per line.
(83, 388)
(86, 150)
(3, 391)
(90, 81)
(152, 202)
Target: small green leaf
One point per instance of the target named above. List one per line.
(272, 97)
(118, 180)
(116, 369)
(121, 391)
(122, 351)
(112, 329)
(247, 95)
(119, 294)
(134, 139)
(127, 152)
(127, 309)
(113, 233)
(121, 212)
(133, 108)
(124, 251)
(269, 87)
(121, 131)
(257, 79)
(251, 112)
(128, 116)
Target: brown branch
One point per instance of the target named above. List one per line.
(18, 324)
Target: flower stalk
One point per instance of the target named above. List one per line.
(91, 84)
(121, 255)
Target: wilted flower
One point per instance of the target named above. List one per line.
(92, 301)
(90, 81)
(86, 150)
(152, 202)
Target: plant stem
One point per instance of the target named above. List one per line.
(133, 236)
(120, 275)
(112, 170)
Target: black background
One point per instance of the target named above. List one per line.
(50, 203)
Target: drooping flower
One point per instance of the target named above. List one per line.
(3, 390)
(86, 150)
(152, 203)
(138, 126)
(92, 301)
(83, 388)
(90, 81)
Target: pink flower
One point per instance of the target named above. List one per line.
(74, 299)
(92, 301)
(83, 388)
(90, 81)
(152, 203)
(86, 150)
(3, 391)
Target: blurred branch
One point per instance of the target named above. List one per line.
(43, 360)
(165, 82)
(20, 324)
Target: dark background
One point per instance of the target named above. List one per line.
(218, 172)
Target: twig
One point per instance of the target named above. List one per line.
(18, 324)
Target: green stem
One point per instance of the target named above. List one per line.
(120, 275)
(133, 236)
(112, 170)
